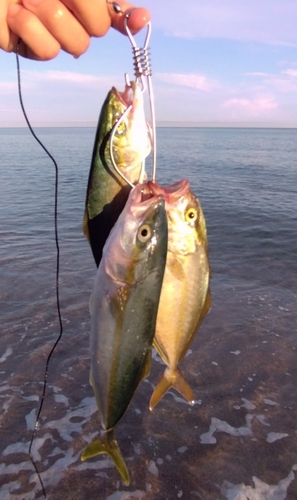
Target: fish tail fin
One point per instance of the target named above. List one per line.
(108, 444)
(171, 379)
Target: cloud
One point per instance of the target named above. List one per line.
(253, 107)
(283, 82)
(31, 80)
(80, 79)
(268, 21)
(8, 87)
(290, 72)
(197, 82)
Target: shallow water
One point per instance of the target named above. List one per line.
(238, 442)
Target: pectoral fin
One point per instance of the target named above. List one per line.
(109, 445)
(171, 379)
(86, 227)
(147, 365)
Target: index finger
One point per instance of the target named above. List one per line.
(138, 17)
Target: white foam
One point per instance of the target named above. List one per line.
(218, 425)
(7, 353)
(15, 468)
(59, 398)
(177, 399)
(7, 489)
(137, 448)
(235, 352)
(262, 420)
(182, 449)
(126, 495)
(66, 427)
(53, 474)
(275, 436)
(102, 463)
(153, 469)
(247, 404)
(6, 405)
(261, 491)
(31, 398)
(16, 448)
(269, 402)
(31, 419)
(5, 388)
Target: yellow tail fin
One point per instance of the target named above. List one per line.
(171, 379)
(109, 445)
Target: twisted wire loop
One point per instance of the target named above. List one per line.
(143, 77)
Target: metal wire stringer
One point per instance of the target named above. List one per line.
(143, 74)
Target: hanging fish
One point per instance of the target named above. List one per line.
(107, 191)
(185, 296)
(124, 308)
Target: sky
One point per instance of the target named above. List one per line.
(214, 63)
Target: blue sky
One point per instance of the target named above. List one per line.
(218, 62)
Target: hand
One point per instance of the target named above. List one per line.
(46, 26)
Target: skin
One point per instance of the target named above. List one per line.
(47, 26)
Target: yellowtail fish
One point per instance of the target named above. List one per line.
(124, 308)
(185, 296)
(107, 192)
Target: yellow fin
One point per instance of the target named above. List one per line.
(171, 379)
(85, 226)
(147, 365)
(109, 445)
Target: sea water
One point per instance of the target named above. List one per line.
(239, 441)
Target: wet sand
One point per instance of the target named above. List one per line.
(242, 368)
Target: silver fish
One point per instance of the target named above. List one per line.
(123, 312)
(185, 296)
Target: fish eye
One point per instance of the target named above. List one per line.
(144, 233)
(191, 215)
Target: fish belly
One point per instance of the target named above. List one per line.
(183, 295)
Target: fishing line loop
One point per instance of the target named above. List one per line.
(36, 426)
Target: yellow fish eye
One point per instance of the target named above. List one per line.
(191, 215)
(144, 233)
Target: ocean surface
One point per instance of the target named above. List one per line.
(239, 440)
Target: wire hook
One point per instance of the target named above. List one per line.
(143, 74)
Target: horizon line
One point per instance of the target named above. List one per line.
(159, 124)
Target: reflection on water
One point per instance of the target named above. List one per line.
(238, 442)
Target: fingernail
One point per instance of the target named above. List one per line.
(13, 9)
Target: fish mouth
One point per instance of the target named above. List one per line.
(170, 193)
(126, 97)
(144, 197)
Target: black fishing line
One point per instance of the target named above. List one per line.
(57, 269)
